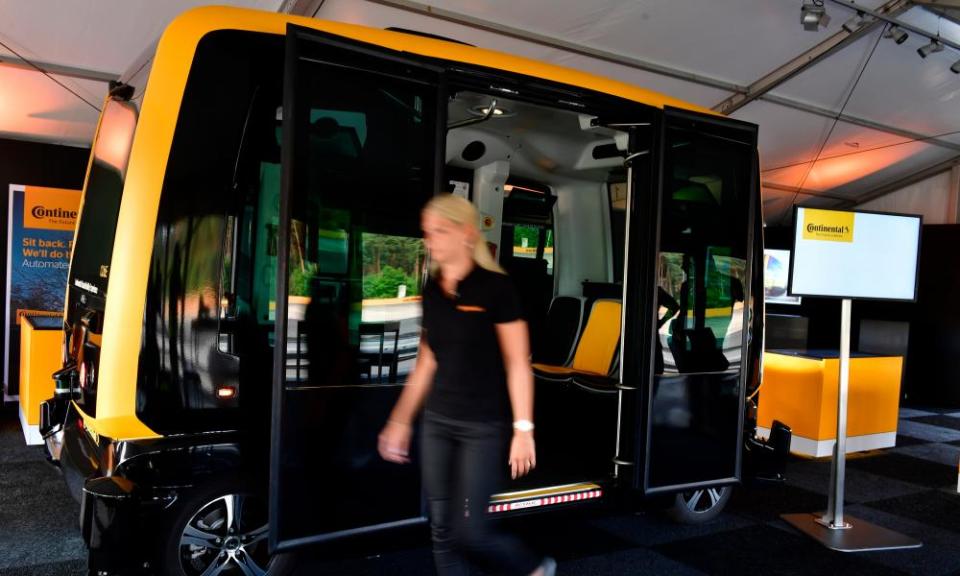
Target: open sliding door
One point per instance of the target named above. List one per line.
(694, 402)
(361, 140)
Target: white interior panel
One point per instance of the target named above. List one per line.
(580, 244)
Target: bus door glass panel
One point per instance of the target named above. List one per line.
(359, 167)
(696, 397)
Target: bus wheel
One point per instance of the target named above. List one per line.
(699, 506)
(220, 531)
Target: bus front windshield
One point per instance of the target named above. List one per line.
(93, 246)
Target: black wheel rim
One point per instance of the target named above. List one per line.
(702, 501)
(227, 536)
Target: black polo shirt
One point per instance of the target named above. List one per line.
(470, 383)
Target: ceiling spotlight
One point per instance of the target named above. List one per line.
(898, 35)
(928, 49)
(956, 67)
(854, 24)
(813, 15)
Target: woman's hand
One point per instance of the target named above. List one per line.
(394, 442)
(523, 454)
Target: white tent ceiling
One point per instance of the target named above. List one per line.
(900, 113)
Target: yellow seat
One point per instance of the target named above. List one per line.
(597, 347)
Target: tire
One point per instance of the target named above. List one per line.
(207, 537)
(699, 506)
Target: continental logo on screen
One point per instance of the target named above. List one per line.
(827, 225)
(50, 208)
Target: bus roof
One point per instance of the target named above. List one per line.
(187, 29)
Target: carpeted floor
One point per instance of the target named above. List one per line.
(39, 532)
(911, 489)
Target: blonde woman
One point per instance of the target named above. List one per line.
(473, 375)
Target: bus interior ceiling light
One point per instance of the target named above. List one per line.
(898, 34)
(813, 15)
(927, 49)
(498, 111)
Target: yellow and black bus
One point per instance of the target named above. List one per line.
(243, 306)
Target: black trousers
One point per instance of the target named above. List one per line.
(463, 464)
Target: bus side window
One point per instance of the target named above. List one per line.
(355, 253)
(702, 261)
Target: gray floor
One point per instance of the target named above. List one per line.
(911, 488)
(38, 518)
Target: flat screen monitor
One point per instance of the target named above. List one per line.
(776, 277)
(848, 254)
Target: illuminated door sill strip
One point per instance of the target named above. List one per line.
(541, 497)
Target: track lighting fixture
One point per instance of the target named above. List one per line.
(854, 24)
(813, 12)
(813, 15)
(928, 49)
(897, 33)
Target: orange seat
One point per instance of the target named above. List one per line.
(597, 347)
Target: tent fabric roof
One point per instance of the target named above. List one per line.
(900, 112)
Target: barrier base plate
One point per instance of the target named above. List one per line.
(861, 536)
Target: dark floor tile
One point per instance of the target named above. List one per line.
(939, 452)
(568, 536)
(913, 413)
(767, 503)
(70, 568)
(860, 485)
(908, 441)
(633, 561)
(769, 551)
(38, 516)
(398, 563)
(941, 420)
(12, 444)
(931, 409)
(939, 555)
(928, 432)
(906, 468)
(933, 507)
(652, 527)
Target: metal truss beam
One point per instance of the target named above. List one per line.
(805, 60)
(57, 69)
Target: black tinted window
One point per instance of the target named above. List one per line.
(703, 250)
(205, 349)
(101, 200)
(356, 258)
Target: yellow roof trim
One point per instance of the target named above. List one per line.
(210, 18)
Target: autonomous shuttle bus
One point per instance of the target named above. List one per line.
(243, 300)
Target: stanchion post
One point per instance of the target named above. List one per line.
(838, 472)
(831, 529)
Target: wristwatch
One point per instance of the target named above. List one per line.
(523, 425)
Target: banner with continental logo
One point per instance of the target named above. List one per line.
(827, 225)
(846, 254)
(40, 228)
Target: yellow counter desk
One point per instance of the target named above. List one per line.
(800, 390)
(40, 338)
